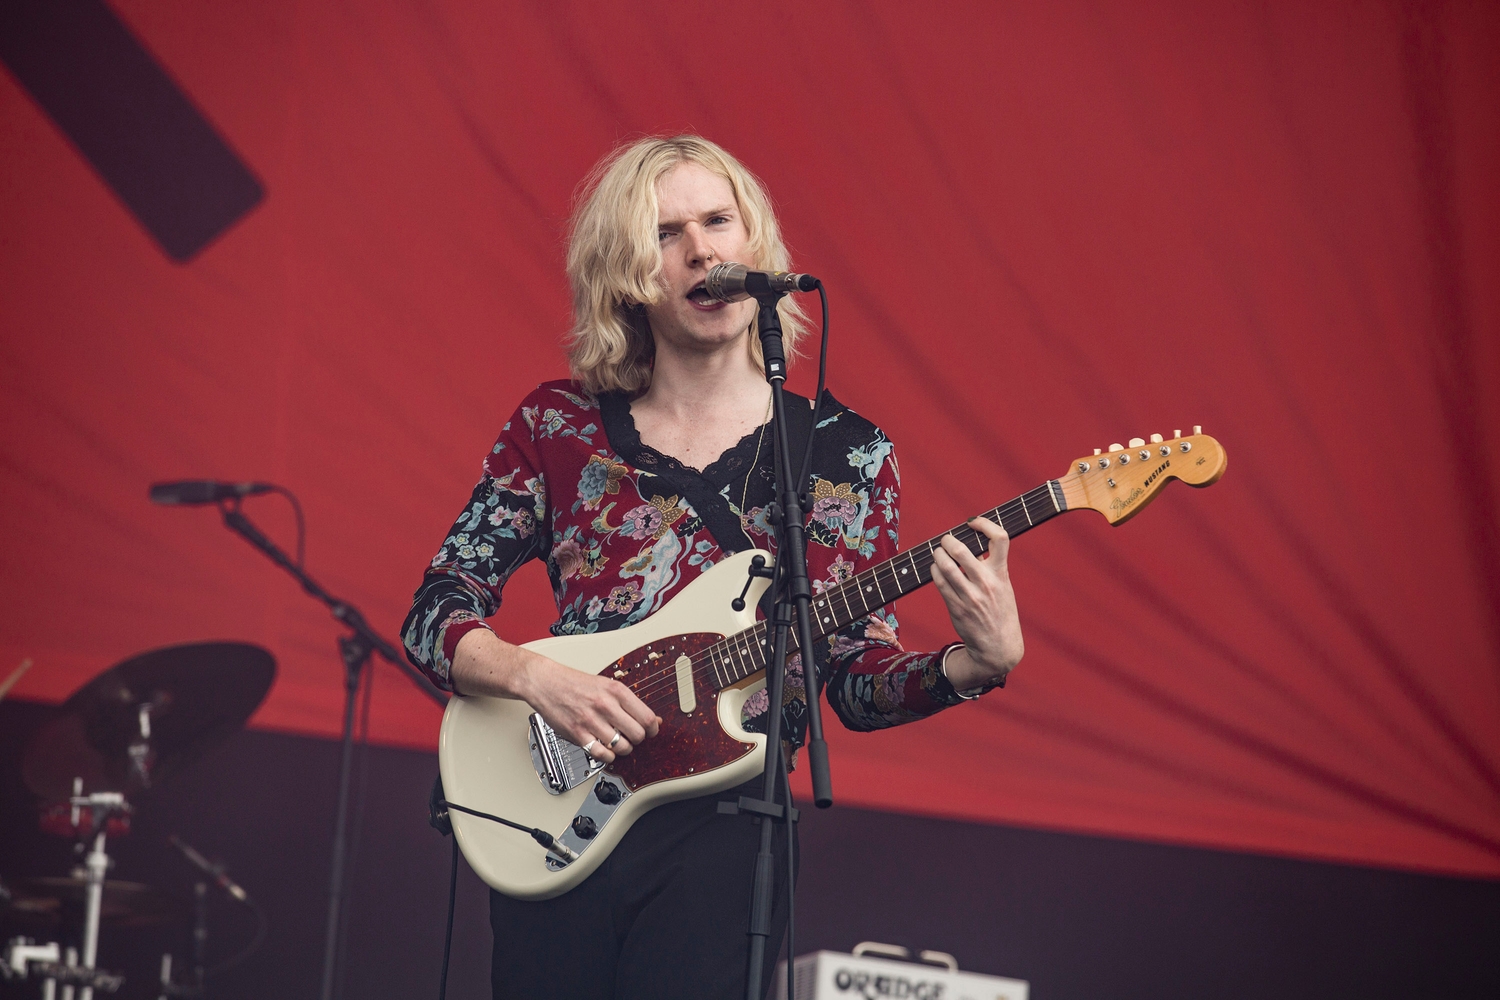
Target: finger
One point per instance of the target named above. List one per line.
(643, 715)
(958, 581)
(624, 723)
(621, 745)
(999, 538)
(962, 557)
(596, 749)
(611, 712)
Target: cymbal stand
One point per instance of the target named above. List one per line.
(96, 867)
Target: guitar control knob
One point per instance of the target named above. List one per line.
(1197, 428)
(1136, 442)
(1177, 433)
(1117, 447)
(606, 793)
(1097, 450)
(585, 827)
(1156, 439)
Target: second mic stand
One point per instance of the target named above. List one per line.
(354, 650)
(793, 606)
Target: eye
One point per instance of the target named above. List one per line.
(662, 235)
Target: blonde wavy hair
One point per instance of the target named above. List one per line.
(614, 258)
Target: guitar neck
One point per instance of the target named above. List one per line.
(744, 654)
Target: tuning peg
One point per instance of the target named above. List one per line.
(1117, 447)
(1177, 433)
(1137, 442)
(1156, 439)
(1197, 428)
(1096, 451)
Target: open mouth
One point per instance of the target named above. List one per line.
(700, 295)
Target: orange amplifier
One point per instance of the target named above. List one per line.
(888, 972)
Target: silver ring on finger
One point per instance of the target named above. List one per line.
(588, 747)
(613, 740)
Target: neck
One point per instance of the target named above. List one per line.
(687, 385)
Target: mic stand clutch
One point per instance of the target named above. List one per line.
(355, 651)
(793, 606)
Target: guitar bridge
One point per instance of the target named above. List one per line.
(559, 764)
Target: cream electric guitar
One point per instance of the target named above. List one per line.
(695, 662)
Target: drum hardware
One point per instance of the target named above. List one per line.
(74, 970)
(24, 959)
(120, 733)
(147, 717)
(96, 866)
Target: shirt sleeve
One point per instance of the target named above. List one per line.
(871, 681)
(503, 525)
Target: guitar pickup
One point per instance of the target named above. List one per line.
(559, 764)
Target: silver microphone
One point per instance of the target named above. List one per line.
(732, 282)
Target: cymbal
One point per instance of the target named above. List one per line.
(48, 902)
(146, 717)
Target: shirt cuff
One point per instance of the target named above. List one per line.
(971, 693)
(454, 632)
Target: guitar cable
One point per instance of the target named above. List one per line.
(437, 817)
(448, 934)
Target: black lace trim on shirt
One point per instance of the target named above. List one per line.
(702, 489)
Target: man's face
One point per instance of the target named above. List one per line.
(699, 225)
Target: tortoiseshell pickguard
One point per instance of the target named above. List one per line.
(688, 743)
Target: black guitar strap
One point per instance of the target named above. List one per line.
(718, 518)
(715, 512)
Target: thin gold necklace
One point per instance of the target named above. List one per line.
(760, 440)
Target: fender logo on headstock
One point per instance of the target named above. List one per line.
(1120, 503)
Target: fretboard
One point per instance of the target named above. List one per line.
(741, 655)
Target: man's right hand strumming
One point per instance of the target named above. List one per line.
(590, 710)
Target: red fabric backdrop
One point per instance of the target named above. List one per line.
(1045, 227)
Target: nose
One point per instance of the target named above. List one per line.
(695, 242)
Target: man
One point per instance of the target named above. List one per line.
(647, 468)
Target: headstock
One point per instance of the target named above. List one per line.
(1119, 482)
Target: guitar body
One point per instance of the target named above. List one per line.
(486, 760)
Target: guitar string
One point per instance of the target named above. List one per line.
(921, 557)
(752, 639)
(749, 643)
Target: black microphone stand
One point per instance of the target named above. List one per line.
(792, 607)
(354, 650)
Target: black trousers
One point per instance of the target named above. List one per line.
(663, 918)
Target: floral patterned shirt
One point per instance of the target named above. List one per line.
(623, 528)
